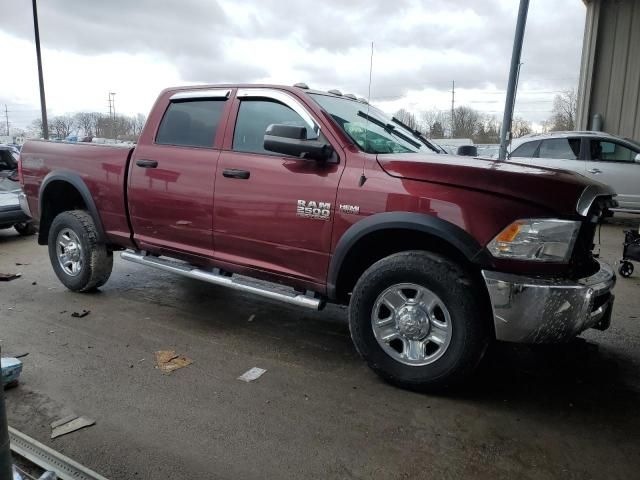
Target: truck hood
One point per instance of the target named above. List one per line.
(557, 190)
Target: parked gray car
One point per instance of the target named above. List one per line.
(11, 214)
(609, 159)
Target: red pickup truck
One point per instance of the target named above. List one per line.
(318, 196)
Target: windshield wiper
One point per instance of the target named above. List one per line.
(388, 128)
(417, 134)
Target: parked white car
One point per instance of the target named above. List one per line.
(609, 159)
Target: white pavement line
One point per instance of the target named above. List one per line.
(49, 459)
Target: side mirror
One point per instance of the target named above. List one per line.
(637, 159)
(292, 140)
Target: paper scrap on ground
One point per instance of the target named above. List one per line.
(70, 424)
(168, 361)
(7, 277)
(252, 374)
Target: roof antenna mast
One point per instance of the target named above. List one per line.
(363, 177)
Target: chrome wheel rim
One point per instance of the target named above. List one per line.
(411, 324)
(69, 252)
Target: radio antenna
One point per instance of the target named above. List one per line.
(363, 177)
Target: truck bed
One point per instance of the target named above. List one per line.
(102, 168)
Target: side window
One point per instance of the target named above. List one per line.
(525, 150)
(254, 116)
(7, 161)
(563, 148)
(611, 152)
(190, 123)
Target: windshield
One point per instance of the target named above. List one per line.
(371, 129)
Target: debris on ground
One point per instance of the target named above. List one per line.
(7, 277)
(70, 424)
(251, 318)
(252, 374)
(11, 369)
(18, 264)
(168, 360)
(81, 314)
(21, 355)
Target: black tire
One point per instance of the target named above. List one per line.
(25, 228)
(625, 269)
(96, 259)
(464, 298)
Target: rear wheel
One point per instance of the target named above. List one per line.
(25, 228)
(79, 258)
(419, 320)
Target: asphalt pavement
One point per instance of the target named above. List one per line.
(569, 411)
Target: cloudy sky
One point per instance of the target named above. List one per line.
(137, 48)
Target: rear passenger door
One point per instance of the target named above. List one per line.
(172, 174)
(614, 164)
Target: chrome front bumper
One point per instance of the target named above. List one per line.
(536, 310)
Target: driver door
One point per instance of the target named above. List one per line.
(273, 212)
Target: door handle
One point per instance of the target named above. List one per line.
(595, 170)
(147, 163)
(234, 173)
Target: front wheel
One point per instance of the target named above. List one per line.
(419, 320)
(80, 259)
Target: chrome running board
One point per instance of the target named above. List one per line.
(264, 289)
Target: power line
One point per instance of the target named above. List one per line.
(43, 103)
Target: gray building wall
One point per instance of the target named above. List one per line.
(610, 70)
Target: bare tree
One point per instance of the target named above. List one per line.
(520, 127)
(565, 111)
(62, 125)
(34, 130)
(408, 118)
(86, 122)
(138, 122)
(488, 130)
(436, 130)
(465, 122)
(432, 123)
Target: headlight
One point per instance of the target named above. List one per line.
(540, 240)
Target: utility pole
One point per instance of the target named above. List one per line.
(453, 104)
(6, 116)
(505, 131)
(112, 113)
(43, 103)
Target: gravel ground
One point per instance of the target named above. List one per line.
(566, 411)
